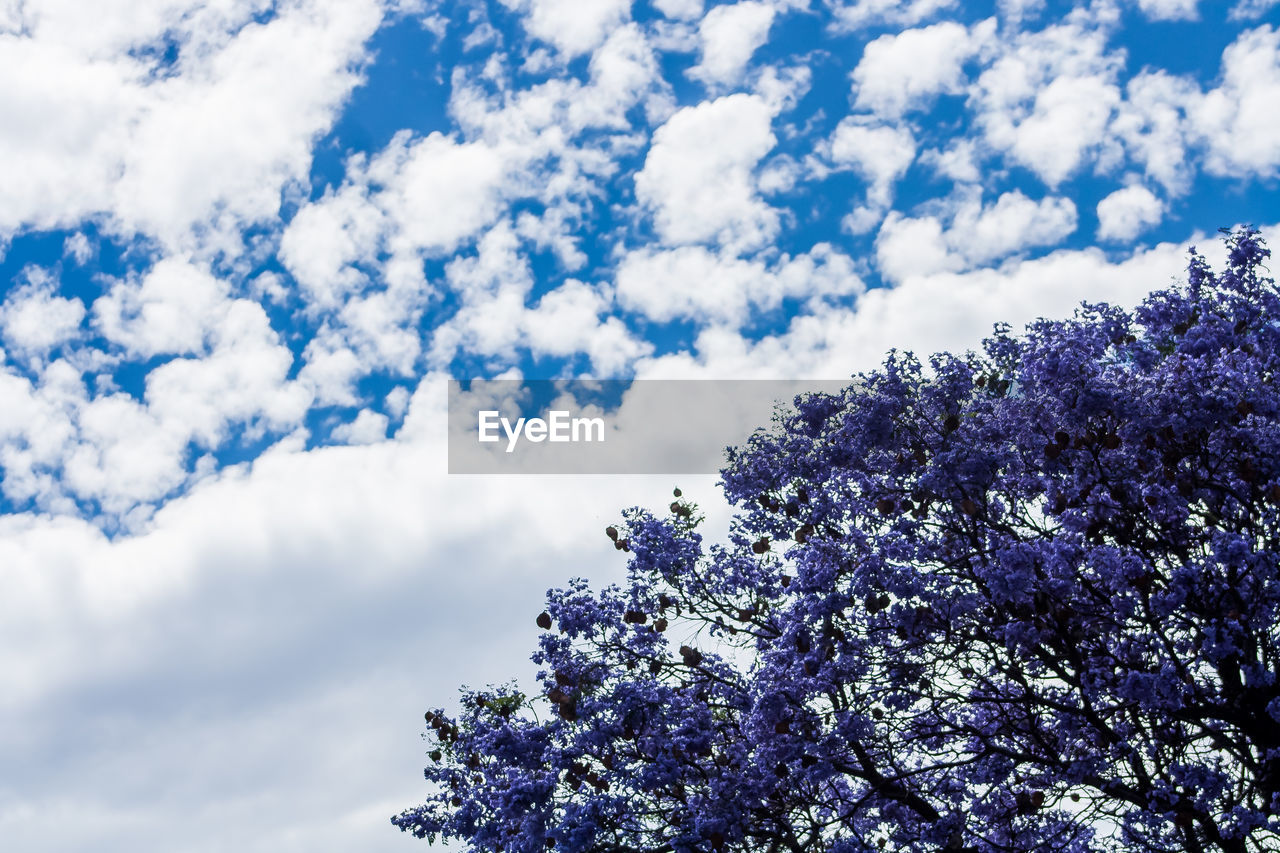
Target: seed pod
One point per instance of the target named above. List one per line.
(544, 621)
(611, 532)
(691, 656)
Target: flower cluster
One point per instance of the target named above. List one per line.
(1025, 599)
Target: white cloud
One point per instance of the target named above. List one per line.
(369, 427)
(125, 452)
(495, 319)
(1015, 222)
(1016, 11)
(327, 237)
(693, 283)
(439, 193)
(891, 77)
(730, 34)
(1047, 100)
(698, 175)
(866, 13)
(1237, 120)
(679, 9)
(926, 313)
(1152, 123)
(34, 319)
(567, 321)
(975, 234)
(358, 252)
(1126, 213)
(1248, 10)
(1169, 10)
(880, 154)
(78, 248)
(243, 379)
(959, 162)
(95, 126)
(573, 27)
(303, 589)
(171, 309)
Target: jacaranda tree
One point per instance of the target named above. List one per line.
(1020, 600)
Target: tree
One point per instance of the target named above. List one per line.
(1024, 600)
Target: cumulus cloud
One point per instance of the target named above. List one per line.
(1047, 100)
(679, 9)
(859, 14)
(495, 318)
(891, 77)
(1169, 10)
(1153, 125)
(930, 312)
(224, 366)
(298, 590)
(369, 427)
(729, 35)
(170, 309)
(1126, 213)
(1236, 119)
(1248, 10)
(95, 125)
(975, 234)
(34, 319)
(573, 27)
(698, 177)
(880, 154)
(694, 283)
(358, 251)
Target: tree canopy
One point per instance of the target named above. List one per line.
(1021, 599)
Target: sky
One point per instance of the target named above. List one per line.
(244, 244)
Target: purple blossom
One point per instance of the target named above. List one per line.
(1024, 599)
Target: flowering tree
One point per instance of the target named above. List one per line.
(1023, 600)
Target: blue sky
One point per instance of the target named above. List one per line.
(244, 243)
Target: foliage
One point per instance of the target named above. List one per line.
(1025, 599)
